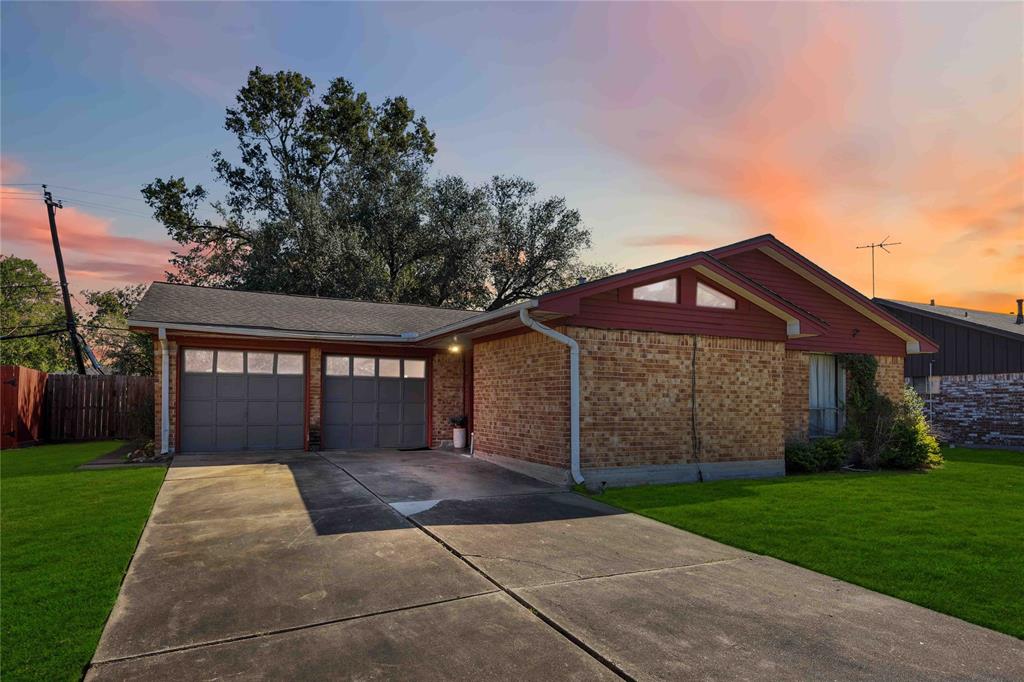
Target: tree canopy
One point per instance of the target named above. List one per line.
(30, 303)
(106, 330)
(333, 196)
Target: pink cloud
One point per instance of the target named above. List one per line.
(94, 256)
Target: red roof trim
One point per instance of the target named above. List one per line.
(770, 242)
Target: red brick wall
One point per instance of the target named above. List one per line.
(158, 379)
(796, 376)
(447, 397)
(889, 377)
(316, 377)
(636, 406)
(521, 396)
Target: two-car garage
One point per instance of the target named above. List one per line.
(256, 400)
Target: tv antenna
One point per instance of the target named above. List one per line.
(879, 245)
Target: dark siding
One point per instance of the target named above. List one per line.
(962, 350)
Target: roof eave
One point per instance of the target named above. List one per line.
(146, 325)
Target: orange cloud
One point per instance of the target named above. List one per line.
(797, 115)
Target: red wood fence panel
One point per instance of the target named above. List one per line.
(21, 405)
(96, 407)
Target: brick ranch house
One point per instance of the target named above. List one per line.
(704, 365)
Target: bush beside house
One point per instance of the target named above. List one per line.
(879, 432)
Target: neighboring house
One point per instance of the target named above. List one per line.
(703, 365)
(974, 385)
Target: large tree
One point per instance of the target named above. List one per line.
(106, 330)
(30, 304)
(333, 196)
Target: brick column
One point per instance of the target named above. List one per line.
(158, 379)
(315, 388)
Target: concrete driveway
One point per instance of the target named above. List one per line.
(429, 565)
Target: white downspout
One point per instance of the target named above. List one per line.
(574, 389)
(165, 394)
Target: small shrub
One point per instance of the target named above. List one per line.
(459, 421)
(822, 454)
(911, 444)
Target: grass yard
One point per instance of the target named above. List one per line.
(951, 539)
(67, 538)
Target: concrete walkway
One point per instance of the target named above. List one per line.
(427, 565)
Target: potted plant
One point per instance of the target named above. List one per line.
(458, 423)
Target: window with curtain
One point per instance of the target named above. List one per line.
(827, 396)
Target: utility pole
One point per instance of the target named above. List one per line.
(880, 245)
(51, 207)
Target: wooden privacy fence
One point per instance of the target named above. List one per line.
(95, 407)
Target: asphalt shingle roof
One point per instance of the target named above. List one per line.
(183, 304)
(1002, 321)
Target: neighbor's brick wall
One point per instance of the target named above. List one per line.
(979, 409)
(521, 396)
(316, 374)
(172, 347)
(796, 375)
(889, 378)
(447, 399)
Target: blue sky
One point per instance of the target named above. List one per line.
(671, 127)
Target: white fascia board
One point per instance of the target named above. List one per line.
(792, 323)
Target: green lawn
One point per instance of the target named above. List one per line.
(951, 539)
(67, 538)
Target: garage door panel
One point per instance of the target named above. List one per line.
(262, 387)
(291, 388)
(337, 413)
(414, 391)
(389, 413)
(364, 390)
(414, 414)
(364, 436)
(261, 437)
(336, 436)
(231, 386)
(197, 385)
(364, 413)
(413, 435)
(230, 413)
(337, 389)
(198, 439)
(390, 390)
(290, 414)
(262, 413)
(230, 438)
(197, 412)
(290, 437)
(389, 435)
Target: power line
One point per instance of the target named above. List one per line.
(92, 204)
(33, 334)
(102, 194)
(33, 326)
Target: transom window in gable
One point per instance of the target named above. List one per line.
(712, 298)
(665, 291)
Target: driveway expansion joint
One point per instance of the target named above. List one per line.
(593, 653)
(280, 631)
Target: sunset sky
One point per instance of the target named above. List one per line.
(671, 127)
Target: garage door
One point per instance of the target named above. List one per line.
(374, 402)
(238, 400)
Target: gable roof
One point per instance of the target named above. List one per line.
(179, 304)
(1002, 323)
(788, 257)
(799, 322)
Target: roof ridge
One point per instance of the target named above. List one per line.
(943, 305)
(318, 298)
